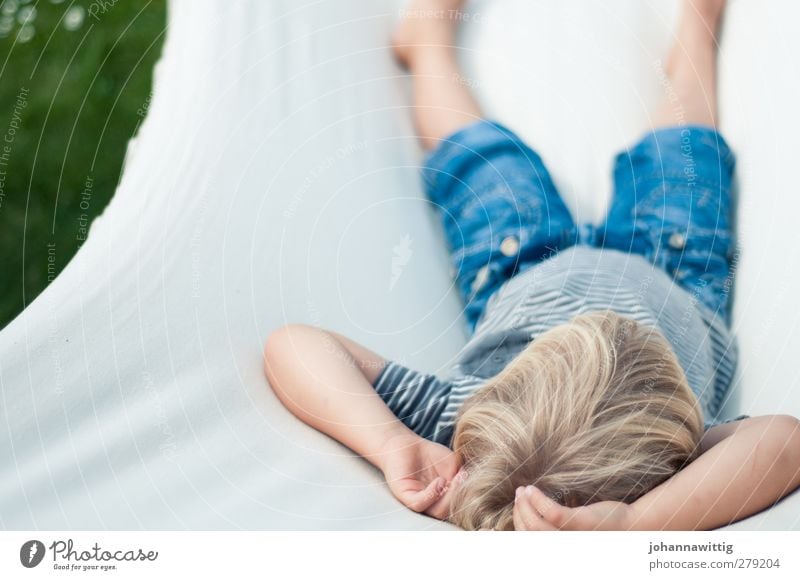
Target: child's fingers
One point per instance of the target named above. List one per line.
(552, 511)
(525, 515)
(421, 500)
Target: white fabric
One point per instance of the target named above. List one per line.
(275, 180)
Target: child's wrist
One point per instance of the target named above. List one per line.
(643, 516)
(396, 437)
(636, 518)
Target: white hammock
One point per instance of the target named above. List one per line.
(274, 180)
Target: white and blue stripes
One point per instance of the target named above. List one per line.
(576, 281)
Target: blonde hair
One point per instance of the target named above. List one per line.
(595, 409)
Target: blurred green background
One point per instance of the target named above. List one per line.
(75, 80)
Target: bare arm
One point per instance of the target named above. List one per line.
(326, 380)
(747, 466)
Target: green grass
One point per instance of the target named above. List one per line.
(72, 94)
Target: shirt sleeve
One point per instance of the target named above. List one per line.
(417, 399)
(714, 422)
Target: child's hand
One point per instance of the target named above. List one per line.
(419, 472)
(533, 510)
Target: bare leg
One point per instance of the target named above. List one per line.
(692, 67)
(424, 44)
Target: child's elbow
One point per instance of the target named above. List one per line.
(276, 339)
(278, 349)
(786, 434)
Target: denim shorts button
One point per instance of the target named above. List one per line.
(481, 277)
(509, 246)
(677, 241)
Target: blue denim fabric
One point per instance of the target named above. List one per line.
(671, 204)
(490, 187)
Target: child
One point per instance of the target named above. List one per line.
(587, 396)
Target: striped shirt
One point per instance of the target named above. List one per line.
(578, 280)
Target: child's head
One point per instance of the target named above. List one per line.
(595, 409)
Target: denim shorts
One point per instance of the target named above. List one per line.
(502, 213)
